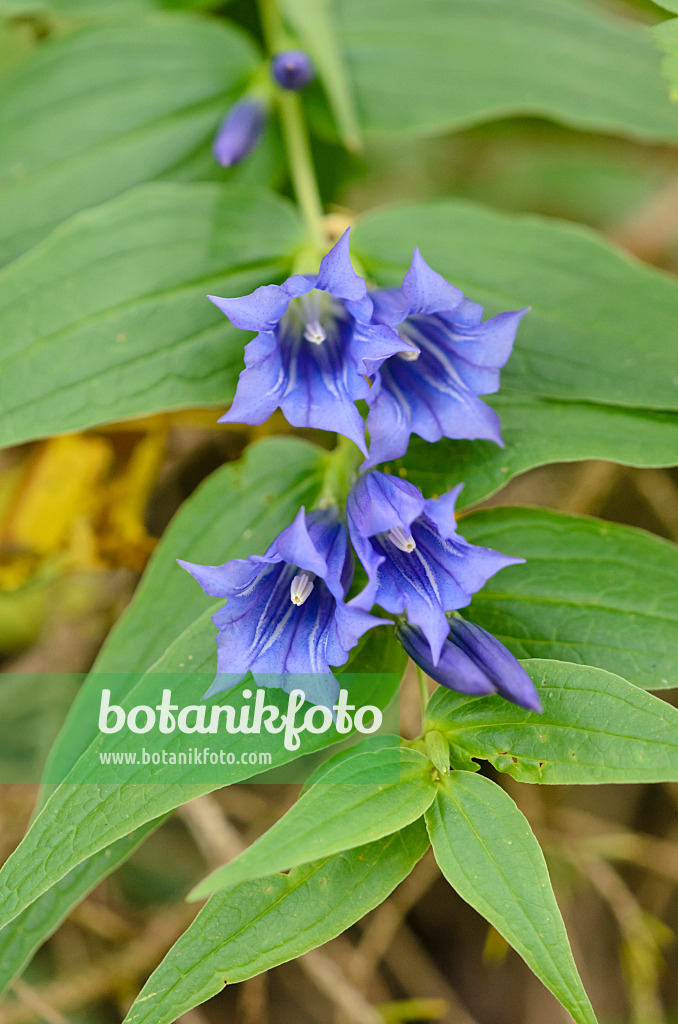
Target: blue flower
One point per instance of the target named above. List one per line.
(239, 132)
(315, 348)
(414, 559)
(286, 613)
(292, 69)
(432, 389)
(472, 661)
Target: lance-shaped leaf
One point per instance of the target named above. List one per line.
(20, 939)
(600, 328)
(87, 812)
(359, 799)
(107, 107)
(488, 853)
(589, 591)
(123, 326)
(537, 431)
(596, 727)
(258, 925)
(459, 62)
(666, 37)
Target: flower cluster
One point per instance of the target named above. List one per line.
(419, 356)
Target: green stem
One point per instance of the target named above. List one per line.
(297, 144)
(301, 166)
(341, 466)
(423, 692)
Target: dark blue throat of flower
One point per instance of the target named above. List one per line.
(314, 337)
(282, 621)
(421, 569)
(436, 371)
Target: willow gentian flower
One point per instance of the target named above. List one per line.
(315, 347)
(414, 558)
(472, 661)
(286, 619)
(292, 69)
(432, 389)
(239, 132)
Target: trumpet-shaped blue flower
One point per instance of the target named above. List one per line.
(414, 558)
(472, 661)
(315, 347)
(239, 132)
(286, 618)
(432, 389)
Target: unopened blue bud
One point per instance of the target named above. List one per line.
(292, 69)
(240, 132)
(472, 661)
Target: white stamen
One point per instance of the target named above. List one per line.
(301, 588)
(403, 541)
(410, 355)
(314, 333)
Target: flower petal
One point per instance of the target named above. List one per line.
(321, 389)
(455, 669)
(223, 580)
(378, 502)
(388, 425)
(506, 673)
(336, 274)
(259, 311)
(426, 291)
(487, 344)
(318, 687)
(371, 344)
(260, 385)
(441, 511)
(295, 545)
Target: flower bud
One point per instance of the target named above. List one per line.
(472, 661)
(240, 132)
(292, 69)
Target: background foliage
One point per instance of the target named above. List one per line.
(528, 148)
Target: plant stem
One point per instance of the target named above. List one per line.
(297, 144)
(340, 471)
(301, 166)
(423, 692)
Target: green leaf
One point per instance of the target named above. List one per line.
(312, 22)
(666, 37)
(16, 42)
(376, 742)
(601, 326)
(590, 591)
(75, 8)
(254, 927)
(596, 727)
(95, 8)
(360, 799)
(537, 431)
(459, 62)
(107, 107)
(20, 939)
(86, 813)
(235, 512)
(488, 853)
(123, 325)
